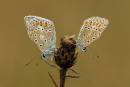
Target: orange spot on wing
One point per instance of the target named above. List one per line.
(35, 23)
(41, 23)
(46, 24)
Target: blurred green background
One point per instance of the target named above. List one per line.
(106, 63)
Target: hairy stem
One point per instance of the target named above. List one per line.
(62, 77)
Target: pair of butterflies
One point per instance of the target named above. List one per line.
(42, 32)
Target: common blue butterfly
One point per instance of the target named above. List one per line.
(42, 32)
(90, 31)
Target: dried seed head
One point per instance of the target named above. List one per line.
(66, 54)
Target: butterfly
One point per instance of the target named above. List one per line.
(42, 32)
(90, 31)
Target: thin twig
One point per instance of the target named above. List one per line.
(52, 65)
(74, 71)
(72, 76)
(53, 81)
(29, 62)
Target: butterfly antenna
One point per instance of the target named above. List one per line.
(29, 62)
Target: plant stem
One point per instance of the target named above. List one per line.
(52, 79)
(62, 77)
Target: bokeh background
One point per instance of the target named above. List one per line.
(105, 64)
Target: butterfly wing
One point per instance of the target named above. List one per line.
(42, 32)
(90, 31)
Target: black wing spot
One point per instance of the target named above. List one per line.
(84, 48)
(45, 40)
(43, 56)
(40, 45)
(93, 38)
(49, 30)
(35, 40)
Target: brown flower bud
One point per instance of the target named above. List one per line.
(66, 55)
